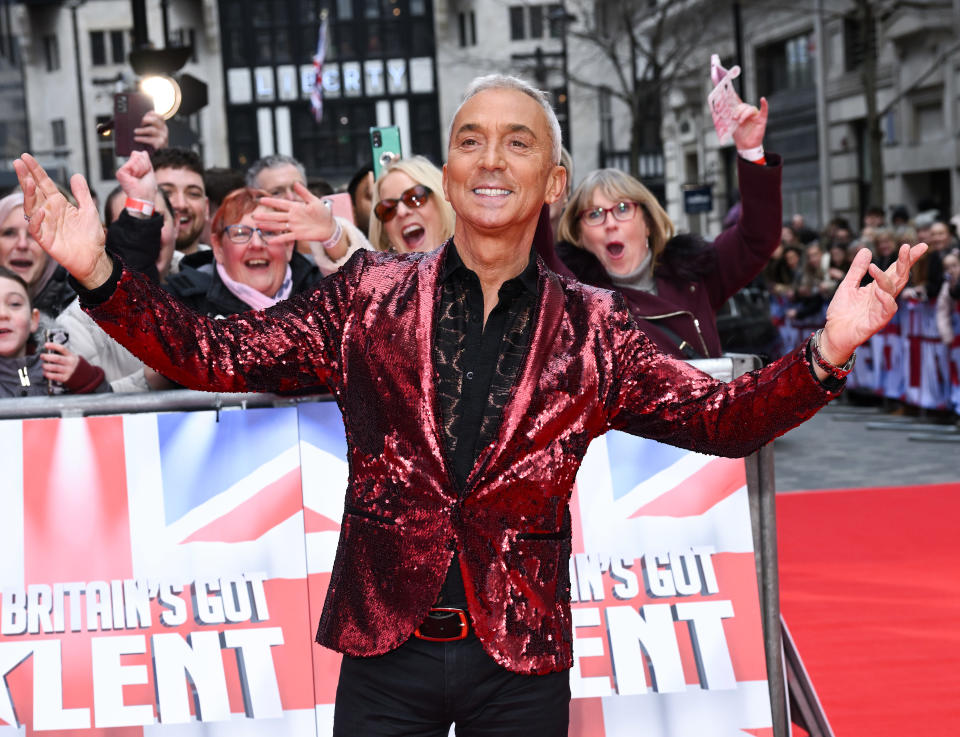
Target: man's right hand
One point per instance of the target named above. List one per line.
(73, 236)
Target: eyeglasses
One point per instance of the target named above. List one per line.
(416, 196)
(598, 215)
(241, 234)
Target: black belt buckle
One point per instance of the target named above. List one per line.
(444, 624)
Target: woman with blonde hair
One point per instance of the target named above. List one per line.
(409, 210)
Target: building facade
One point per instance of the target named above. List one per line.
(809, 62)
(380, 69)
(75, 57)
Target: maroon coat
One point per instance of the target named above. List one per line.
(691, 286)
(366, 332)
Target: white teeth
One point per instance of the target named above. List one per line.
(257, 262)
(491, 192)
(410, 228)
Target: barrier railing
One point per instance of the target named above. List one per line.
(907, 361)
(759, 491)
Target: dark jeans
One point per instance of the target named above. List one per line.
(422, 687)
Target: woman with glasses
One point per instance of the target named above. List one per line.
(253, 267)
(615, 235)
(410, 212)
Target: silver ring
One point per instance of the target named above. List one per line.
(26, 217)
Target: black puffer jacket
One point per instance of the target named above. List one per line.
(204, 291)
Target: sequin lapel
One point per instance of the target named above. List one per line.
(428, 274)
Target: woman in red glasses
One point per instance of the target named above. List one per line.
(410, 211)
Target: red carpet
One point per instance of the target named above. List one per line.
(870, 589)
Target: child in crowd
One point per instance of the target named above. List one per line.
(26, 373)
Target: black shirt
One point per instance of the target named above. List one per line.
(476, 368)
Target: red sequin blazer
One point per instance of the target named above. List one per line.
(366, 333)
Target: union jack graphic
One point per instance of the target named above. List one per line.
(225, 525)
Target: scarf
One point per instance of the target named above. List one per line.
(256, 299)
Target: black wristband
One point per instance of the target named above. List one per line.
(99, 295)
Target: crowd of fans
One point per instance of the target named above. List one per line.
(806, 268)
(225, 241)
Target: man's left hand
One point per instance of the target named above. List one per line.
(855, 313)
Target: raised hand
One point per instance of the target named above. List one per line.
(309, 220)
(855, 313)
(153, 130)
(751, 124)
(73, 236)
(137, 178)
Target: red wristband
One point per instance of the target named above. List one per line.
(144, 206)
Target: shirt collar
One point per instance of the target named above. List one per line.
(529, 278)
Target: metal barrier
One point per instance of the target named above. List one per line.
(759, 473)
(907, 361)
(178, 400)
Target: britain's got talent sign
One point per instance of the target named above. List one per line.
(164, 573)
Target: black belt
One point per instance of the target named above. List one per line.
(444, 624)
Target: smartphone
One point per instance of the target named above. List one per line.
(55, 335)
(128, 111)
(341, 204)
(385, 147)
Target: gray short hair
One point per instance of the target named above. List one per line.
(509, 82)
(271, 162)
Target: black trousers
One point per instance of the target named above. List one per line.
(421, 688)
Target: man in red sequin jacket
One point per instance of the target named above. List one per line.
(402, 342)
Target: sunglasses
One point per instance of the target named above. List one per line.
(416, 196)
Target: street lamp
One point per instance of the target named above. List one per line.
(165, 93)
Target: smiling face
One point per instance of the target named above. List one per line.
(19, 252)
(254, 263)
(185, 189)
(412, 228)
(500, 168)
(17, 320)
(619, 245)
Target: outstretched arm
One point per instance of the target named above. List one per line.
(657, 396)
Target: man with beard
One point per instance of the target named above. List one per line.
(180, 174)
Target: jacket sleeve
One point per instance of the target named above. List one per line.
(293, 346)
(87, 379)
(136, 242)
(660, 397)
(744, 249)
